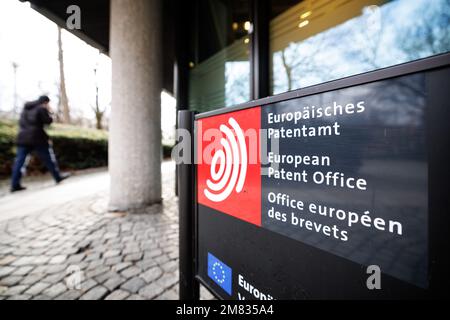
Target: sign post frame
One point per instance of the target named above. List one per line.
(438, 174)
(188, 286)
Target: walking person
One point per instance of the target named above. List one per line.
(33, 138)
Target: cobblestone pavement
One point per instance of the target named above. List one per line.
(79, 251)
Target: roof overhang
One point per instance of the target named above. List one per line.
(95, 20)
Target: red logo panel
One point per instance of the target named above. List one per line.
(229, 169)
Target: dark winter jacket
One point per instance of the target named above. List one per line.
(32, 121)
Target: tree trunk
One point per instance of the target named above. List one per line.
(98, 113)
(288, 70)
(99, 118)
(63, 102)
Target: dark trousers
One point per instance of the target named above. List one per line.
(45, 153)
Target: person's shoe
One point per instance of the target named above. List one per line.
(18, 188)
(63, 176)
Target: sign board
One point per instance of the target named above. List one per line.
(310, 195)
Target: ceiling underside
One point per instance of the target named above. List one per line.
(94, 18)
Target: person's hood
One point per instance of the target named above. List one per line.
(31, 105)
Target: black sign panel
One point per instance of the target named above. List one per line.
(360, 190)
(339, 190)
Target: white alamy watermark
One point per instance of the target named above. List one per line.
(226, 143)
(73, 22)
(374, 280)
(74, 277)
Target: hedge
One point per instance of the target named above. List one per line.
(8, 133)
(75, 148)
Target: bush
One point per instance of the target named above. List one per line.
(75, 148)
(167, 151)
(8, 133)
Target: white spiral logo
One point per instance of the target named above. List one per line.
(232, 164)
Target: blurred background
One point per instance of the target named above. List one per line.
(37, 57)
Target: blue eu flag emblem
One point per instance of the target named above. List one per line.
(220, 273)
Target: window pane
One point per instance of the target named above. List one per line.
(220, 68)
(322, 40)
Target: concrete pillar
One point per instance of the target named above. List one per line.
(135, 124)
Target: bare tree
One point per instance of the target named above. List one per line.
(300, 63)
(16, 110)
(99, 113)
(63, 107)
(428, 35)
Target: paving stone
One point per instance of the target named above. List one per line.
(111, 253)
(91, 256)
(130, 249)
(118, 295)
(170, 266)
(167, 280)
(41, 297)
(6, 250)
(69, 295)
(149, 246)
(37, 288)
(30, 260)
(54, 278)
(121, 266)
(153, 253)
(162, 259)
(105, 276)
(95, 293)
(7, 260)
(76, 258)
(20, 297)
(55, 290)
(152, 274)
(96, 272)
(127, 238)
(168, 295)
(32, 278)
(15, 290)
(4, 271)
(81, 265)
(22, 271)
(42, 269)
(110, 235)
(57, 268)
(113, 261)
(130, 272)
(95, 264)
(58, 259)
(151, 291)
(135, 297)
(114, 282)
(54, 251)
(133, 257)
(10, 281)
(170, 249)
(88, 284)
(133, 285)
(146, 264)
(173, 255)
(3, 289)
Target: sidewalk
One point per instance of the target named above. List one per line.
(42, 192)
(61, 243)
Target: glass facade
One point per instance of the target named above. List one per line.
(220, 66)
(310, 42)
(322, 40)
